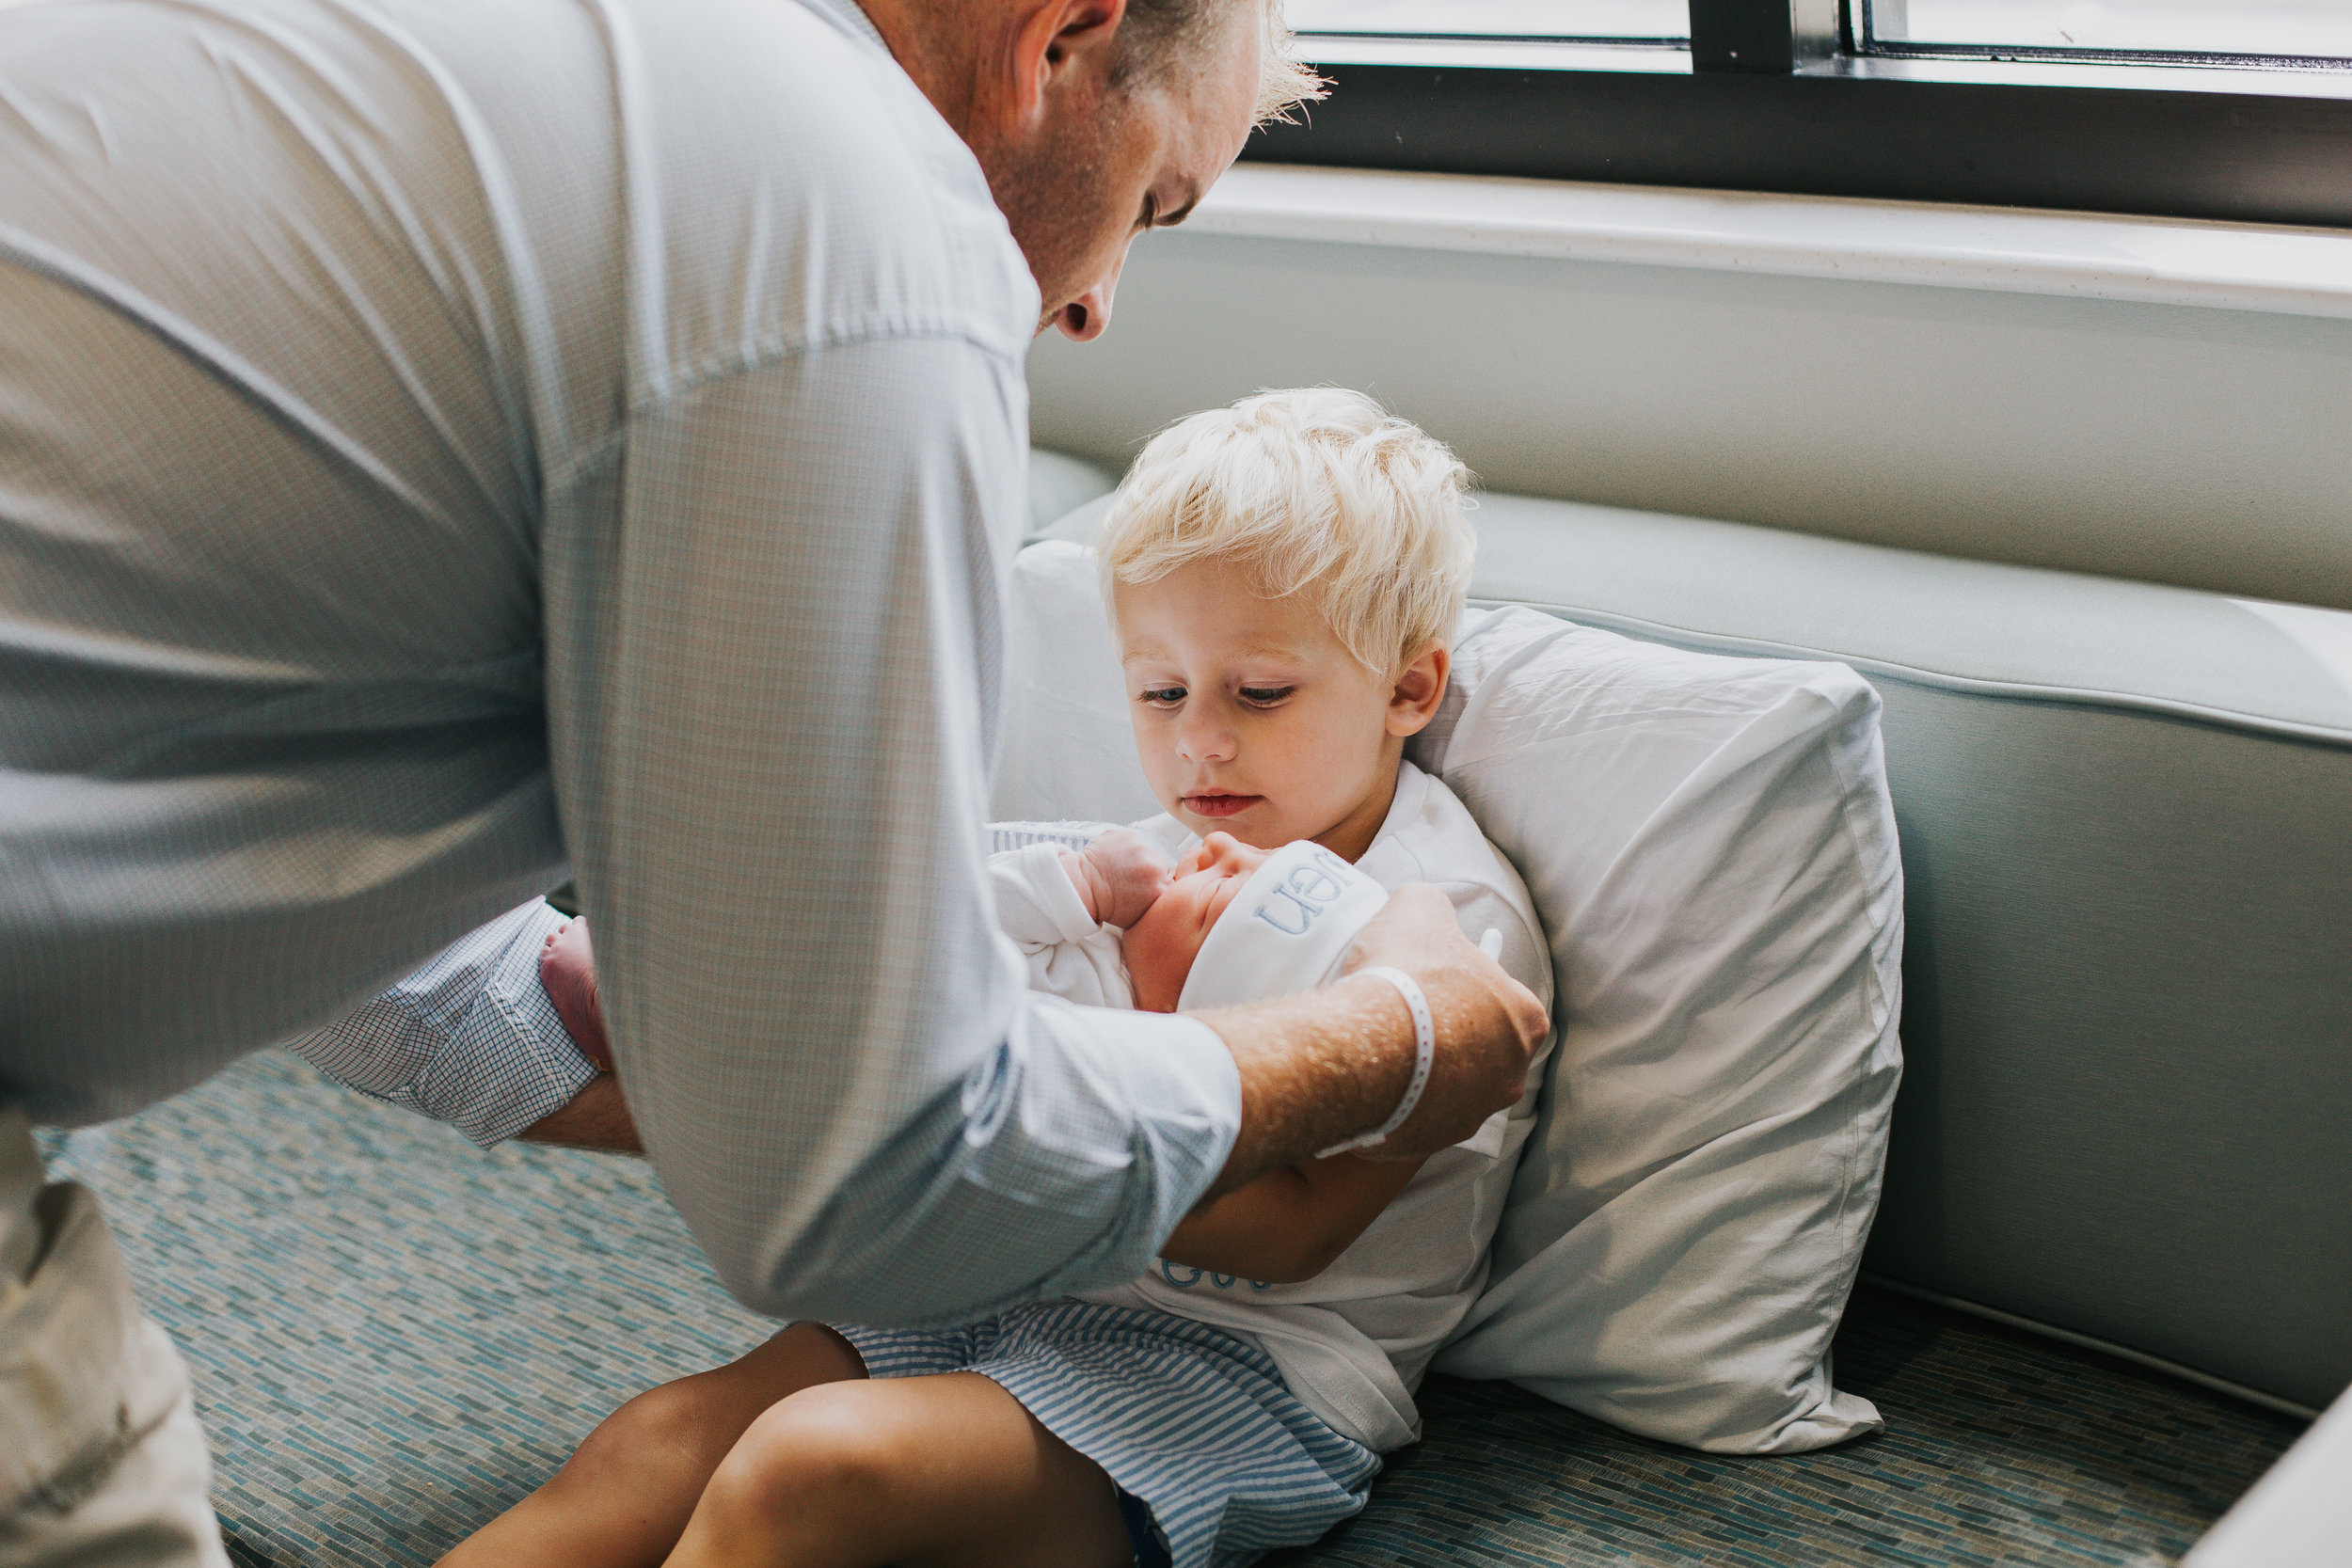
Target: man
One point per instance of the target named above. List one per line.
(444, 443)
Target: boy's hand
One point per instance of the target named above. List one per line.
(1118, 874)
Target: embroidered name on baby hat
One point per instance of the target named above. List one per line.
(1286, 931)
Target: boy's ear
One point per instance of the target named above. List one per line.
(1419, 690)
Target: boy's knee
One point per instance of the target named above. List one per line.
(821, 1445)
(665, 1423)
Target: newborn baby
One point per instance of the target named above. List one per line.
(1114, 924)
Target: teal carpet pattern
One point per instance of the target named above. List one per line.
(395, 1336)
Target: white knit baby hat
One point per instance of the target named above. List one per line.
(1286, 931)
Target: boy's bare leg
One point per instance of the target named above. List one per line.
(622, 1501)
(925, 1472)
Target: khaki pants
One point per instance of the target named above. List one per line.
(102, 1461)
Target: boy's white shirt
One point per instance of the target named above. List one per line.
(1352, 1342)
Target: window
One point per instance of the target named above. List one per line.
(2229, 109)
(2280, 29)
(1641, 21)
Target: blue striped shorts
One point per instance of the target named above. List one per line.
(1190, 1422)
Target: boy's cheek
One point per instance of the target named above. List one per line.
(1159, 770)
(1150, 733)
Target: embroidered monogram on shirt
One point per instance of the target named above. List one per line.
(1298, 899)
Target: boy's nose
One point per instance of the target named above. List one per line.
(1201, 737)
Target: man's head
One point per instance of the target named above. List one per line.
(1159, 948)
(1283, 576)
(1095, 119)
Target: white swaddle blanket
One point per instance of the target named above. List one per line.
(1286, 931)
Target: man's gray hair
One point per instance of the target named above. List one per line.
(1160, 34)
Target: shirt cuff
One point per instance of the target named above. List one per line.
(1063, 1161)
(471, 1039)
(1182, 1081)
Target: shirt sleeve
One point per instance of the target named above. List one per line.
(471, 1039)
(773, 691)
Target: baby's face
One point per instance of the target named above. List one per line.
(1251, 716)
(1160, 948)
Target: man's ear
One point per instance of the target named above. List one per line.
(1419, 690)
(1050, 39)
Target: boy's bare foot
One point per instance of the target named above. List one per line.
(568, 973)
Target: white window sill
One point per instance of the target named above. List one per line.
(2010, 249)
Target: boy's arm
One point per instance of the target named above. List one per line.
(1290, 1225)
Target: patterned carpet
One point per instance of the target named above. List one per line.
(395, 1336)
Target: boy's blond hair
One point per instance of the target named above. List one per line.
(1317, 491)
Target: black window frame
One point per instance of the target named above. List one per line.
(1754, 102)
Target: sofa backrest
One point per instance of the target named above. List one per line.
(2127, 824)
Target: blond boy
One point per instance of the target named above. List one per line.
(1283, 578)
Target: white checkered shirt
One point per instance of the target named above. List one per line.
(447, 446)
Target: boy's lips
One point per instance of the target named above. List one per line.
(1219, 804)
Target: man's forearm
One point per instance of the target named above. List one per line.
(1316, 1070)
(1320, 1069)
(598, 1117)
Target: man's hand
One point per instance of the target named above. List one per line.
(1118, 874)
(1319, 1069)
(1489, 1026)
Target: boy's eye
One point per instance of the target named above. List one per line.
(1164, 696)
(1265, 696)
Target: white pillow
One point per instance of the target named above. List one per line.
(1711, 846)
(1067, 751)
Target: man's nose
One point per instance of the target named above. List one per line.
(1083, 319)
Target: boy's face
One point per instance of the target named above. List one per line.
(1159, 949)
(1251, 716)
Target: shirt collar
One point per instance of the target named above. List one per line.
(852, 18)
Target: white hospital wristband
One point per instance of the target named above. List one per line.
(1426, 1052)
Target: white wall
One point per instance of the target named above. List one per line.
(2194, 444)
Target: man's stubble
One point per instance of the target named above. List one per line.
(1058, 194)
